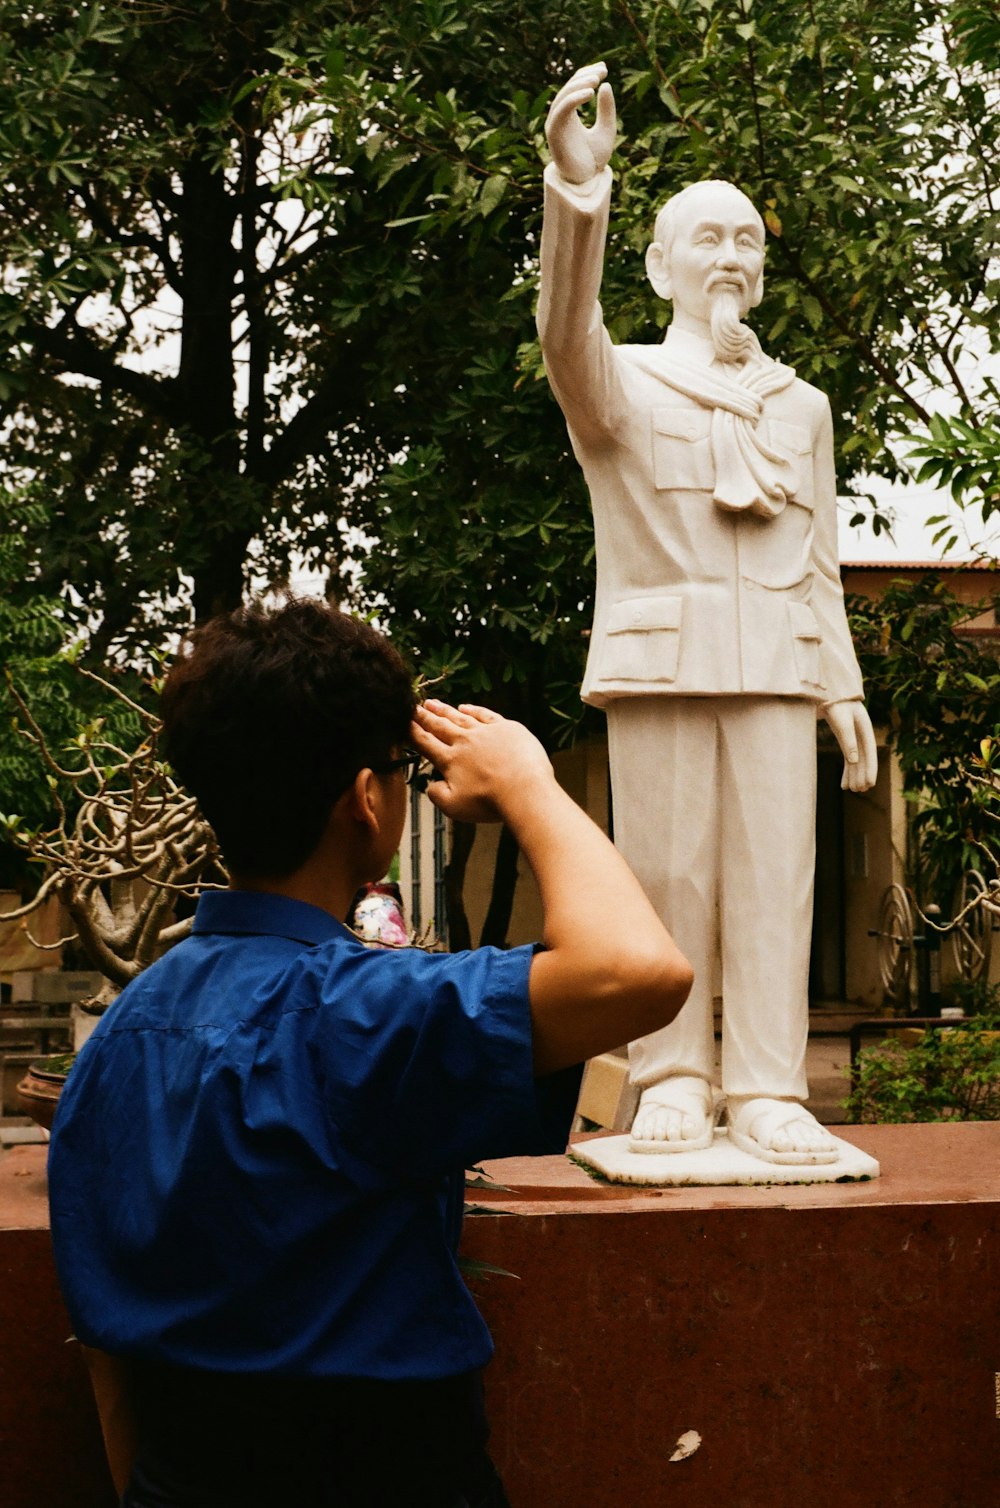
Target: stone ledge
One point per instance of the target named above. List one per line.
(834, 1345)
(927, 1164)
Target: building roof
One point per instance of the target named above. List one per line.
(987, 569)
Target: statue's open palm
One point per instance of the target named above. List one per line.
(578, 151)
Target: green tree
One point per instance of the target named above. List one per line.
(39, 661)
(32, 634)
(253, 251)
(269, 273)
(200, 297)
(839, 123)
(937, 690)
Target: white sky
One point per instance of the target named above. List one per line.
(911, 504)
(909, 507)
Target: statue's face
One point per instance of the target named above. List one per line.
(718, 246)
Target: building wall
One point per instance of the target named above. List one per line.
(874, 858)
(422, 855)
(972, 583)
(17, 953)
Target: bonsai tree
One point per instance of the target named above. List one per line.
(127, 845)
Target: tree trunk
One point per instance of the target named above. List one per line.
(501, 905)
(206, 379)
(463, 835)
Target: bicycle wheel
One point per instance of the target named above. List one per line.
(972, 938)
(895, 944)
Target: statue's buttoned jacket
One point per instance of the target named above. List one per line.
(691, 598)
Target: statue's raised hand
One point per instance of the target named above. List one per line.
(578, 151)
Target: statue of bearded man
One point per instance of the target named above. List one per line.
(719, 630)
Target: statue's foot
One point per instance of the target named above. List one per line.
(779, 1131)
(676, 1115)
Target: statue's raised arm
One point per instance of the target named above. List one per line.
(579, 152)
(577, 349)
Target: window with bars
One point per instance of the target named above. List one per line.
(440, 860)
(416, 906)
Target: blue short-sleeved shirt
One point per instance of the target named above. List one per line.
(257, 1160)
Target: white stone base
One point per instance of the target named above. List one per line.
(721, 1163)
(83, 1024)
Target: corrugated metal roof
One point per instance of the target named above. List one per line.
(987, 569)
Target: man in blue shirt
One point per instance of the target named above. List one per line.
(256, 1168)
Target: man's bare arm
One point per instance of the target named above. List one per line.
(602, 980)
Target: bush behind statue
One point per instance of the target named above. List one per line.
(947, 1075)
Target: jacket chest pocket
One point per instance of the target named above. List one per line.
(682, 452)
(793, 442)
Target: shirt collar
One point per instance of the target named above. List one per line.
(686, 343)
(260, 912)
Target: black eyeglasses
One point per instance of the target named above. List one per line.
(416, 767)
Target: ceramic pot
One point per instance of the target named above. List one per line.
(38, 1092)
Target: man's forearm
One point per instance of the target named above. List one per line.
(612, 972)
(579, 872)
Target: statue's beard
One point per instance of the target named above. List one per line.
(732, 339)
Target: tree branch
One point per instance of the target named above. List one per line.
(324, 411)
(77, 352)
(118, 970)
(106, 225)
(661, 74)
(863, 348)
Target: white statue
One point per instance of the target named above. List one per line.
(719, 629)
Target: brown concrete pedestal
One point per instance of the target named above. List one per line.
(832, 1346)
(51, 1452)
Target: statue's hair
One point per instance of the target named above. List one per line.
(665, 228)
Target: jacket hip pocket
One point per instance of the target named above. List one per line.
(643, 640)
(806, 640)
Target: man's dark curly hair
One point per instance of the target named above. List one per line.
(268, 715)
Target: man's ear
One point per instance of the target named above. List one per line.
(758, 290)
(657, 270)
(363, 800)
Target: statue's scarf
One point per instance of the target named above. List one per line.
(749, 475)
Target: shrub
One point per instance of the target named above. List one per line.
(946, 1075)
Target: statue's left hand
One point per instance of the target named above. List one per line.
(852, 728)
(580, 152)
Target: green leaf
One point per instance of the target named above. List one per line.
(492, 192)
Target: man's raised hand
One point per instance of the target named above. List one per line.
(486, 764)
(578, 151)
